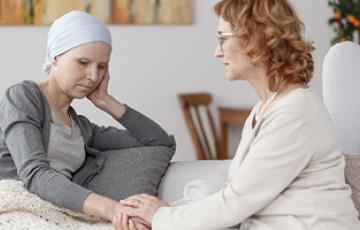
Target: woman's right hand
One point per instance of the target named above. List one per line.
(111, 210)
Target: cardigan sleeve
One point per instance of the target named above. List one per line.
(277, 155)
(140, 131)
(21, 116)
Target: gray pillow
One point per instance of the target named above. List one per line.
(352, 176)
(131, 171)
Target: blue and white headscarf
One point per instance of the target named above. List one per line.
(73, 29)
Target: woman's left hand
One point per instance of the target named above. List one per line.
(143, 206)
(101, 99)
(124, 222)
(99, 95)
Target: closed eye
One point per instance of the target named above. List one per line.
(83, 62)
(102, 66)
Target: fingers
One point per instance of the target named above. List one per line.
(136, 196)
(142, 205)
(139, 200)
(131, 202)
(130, 211)
(151, 200)
(125, 222)
(137, 220)
(116, 221)
(141, 227)
(132, 225)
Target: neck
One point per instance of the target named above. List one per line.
(259, 81)
(57, 98)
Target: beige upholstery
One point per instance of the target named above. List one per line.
(352, 175)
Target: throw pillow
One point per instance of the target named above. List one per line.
(131, 171)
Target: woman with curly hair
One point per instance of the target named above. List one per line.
(288, 171)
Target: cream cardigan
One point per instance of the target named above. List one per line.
(287, 174)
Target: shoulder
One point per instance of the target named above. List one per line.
(300, 102)
(24, 96)
(302, 109)
(23, 92)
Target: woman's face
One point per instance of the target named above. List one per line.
(237, 65)
(80, 70)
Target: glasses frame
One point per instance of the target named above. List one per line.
(221, 36)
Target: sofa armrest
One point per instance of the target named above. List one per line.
(181, 172)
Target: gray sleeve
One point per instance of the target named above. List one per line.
(141, 131)
(21, 115)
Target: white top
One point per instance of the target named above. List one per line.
(287, 174)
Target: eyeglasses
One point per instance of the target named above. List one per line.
(222, 37)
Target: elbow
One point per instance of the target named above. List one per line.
(32, 178)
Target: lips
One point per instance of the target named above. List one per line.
(85, 87)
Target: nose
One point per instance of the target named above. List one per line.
(93, 73)
(218, 52)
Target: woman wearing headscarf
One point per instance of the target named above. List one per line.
(43, 142)
(288, 171)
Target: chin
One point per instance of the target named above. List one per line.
(230, 77)
(79, 96)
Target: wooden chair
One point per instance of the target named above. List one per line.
(230, 116)
(209, 146)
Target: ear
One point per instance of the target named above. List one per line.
(54, 64)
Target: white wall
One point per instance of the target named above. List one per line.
(150, 65)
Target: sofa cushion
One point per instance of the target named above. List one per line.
(182, 172)
(131, 171)
(340, 79)
(352, 176)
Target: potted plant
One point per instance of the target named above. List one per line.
(345, 20)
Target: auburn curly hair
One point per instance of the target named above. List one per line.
(270, 33)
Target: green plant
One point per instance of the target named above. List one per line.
(345, 20)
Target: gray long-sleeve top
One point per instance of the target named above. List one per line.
(24, 137)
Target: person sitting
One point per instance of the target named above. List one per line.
(288, 171)
(45, 143)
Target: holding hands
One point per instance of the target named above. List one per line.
(140, 207)
(124, 222)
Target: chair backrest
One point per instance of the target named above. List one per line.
(341, 93)
(198, 117)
